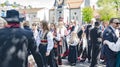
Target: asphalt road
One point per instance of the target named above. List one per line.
(79, 64)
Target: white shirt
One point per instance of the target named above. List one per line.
(36, 36)
(74, 43)
(58, 38)
(50, 41)
(113, 46)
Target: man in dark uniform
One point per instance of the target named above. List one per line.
(15, 43)
(96, 39)
(109, 34)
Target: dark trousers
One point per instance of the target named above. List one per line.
(95, 54)
(42, 50)
(89, 50)
(110, 57)
(111, 63)
(79, 49)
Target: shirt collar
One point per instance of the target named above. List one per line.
(113, 28)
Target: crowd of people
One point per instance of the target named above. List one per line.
(45, 44)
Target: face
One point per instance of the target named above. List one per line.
(116, 23)
(34, 26)
(52, 26)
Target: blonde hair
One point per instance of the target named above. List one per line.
(26, 23)
(74, 37)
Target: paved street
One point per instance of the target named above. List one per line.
(79, 64)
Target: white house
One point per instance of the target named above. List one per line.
(67, 9)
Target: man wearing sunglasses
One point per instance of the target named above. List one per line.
(110, 35)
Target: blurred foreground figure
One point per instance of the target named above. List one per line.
(15, 43)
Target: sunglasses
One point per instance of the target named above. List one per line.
(117, 23)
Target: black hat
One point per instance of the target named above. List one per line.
(12, 16)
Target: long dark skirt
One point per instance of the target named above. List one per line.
(42, 50)
(51, 59)
(72, 56)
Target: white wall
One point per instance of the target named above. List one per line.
(66, 15)
(52, 16)
(76, 16)
(43, 14)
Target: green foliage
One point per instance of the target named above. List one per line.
(113, 3)
(106, 13)
(87, 14)
(104, 2)
(2, 4)
(110, 8)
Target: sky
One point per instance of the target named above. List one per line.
(39, 3)
(34, 3)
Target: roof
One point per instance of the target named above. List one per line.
(74, 3)
(32, 10)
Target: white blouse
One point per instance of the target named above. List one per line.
(58, 38)
(36, 36)
(113, 46)
(50, 41)
(74, 43)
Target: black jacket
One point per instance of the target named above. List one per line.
(14, 46)
(95, 33)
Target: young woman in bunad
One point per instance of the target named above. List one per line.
(82, 53)
(46, 46)
(63, 33)
(56, 39)
(61, 47)
(73, 42)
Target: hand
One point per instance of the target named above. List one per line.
(100, 39)
(105, 42)
(47, 53)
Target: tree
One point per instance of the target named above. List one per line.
(87, 14)
(106, 13)
(2, 5)
(110, 3)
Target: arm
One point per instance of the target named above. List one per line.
(50, 42)
(113, 46)
(107, 35)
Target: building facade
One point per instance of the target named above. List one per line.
(67, 9)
